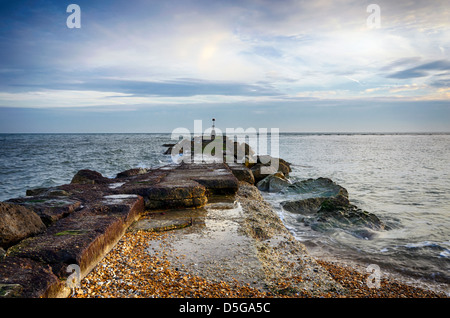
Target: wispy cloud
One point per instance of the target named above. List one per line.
(422, 70)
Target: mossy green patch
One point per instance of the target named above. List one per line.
(71, 232)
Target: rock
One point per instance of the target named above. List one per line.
(273, 183)
(82, 238)
(261, 171)
(284, 168)
(17, 223)
(348, 213)
(183, 186)
(25, 278)
(37, 191)
(242, 173)
(2, 253)
(328, 207)
(131, 172)
(242, 150)
(218, 179)
(49, 208)
(89, 177)
(283, 165)
(321, 187)
(315, 204)
(306, 206)
(249, 162)
(266, 165)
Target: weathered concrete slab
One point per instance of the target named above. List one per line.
(49, 208)
(242, 173)
(217, 178)
(16, 223)
(182, 186)
(21, 277)
(82, 238)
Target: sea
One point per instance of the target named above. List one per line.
(402, 178)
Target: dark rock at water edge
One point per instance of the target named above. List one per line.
(327, 207)
(320, 187)
(89, 177)
(273, 183)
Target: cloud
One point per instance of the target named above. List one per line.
(174, 88)
(234, 53)
(422, 70)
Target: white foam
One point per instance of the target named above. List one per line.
(445, 253)
(118, 198)
(421, 244)
(116, 185)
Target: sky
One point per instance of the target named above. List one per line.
(154, 66)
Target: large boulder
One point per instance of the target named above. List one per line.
(17, 223)
(283, 165)
(261, 171)
(273, 183)
(48, 208)
(267, 165)
(89, 177)
(325, 205)
(320, 187)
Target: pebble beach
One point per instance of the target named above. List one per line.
(130, 271)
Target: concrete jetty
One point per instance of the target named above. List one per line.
(85, 219)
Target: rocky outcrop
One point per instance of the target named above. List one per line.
(273, 183)
(89, 177)
(17, 223)
(328, 207)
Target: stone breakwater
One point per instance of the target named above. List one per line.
(49, 230)
(48, 233)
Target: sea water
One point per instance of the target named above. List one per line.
(402, 178)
